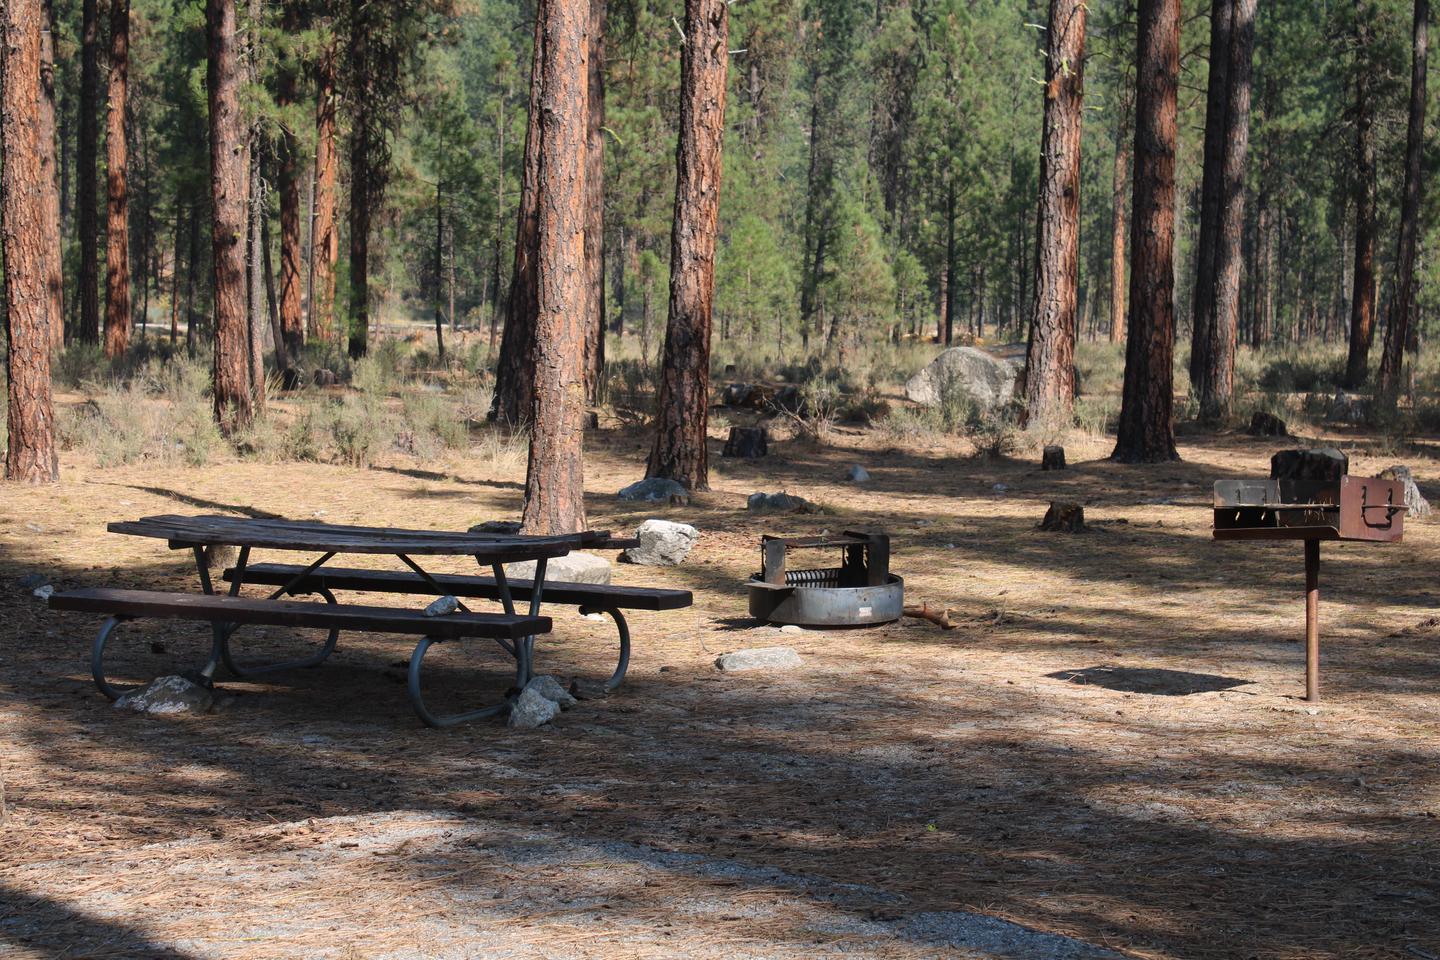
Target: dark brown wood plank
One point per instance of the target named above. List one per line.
(321, 538)
(294, 613)
(400, 581)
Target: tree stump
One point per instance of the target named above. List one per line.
(1064, 517)
(747, 442)
(1264, 424)
(1053, 458)
(1323, 465)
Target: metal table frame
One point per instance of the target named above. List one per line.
(201, 533)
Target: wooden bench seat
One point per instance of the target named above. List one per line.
(295, 613)
(598, 596)
(226, 614)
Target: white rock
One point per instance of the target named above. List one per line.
(663, 543)
(571, 568)
(531, 709)
(165, 695)
(987, 380)
(792, 628)
(552, 690)
(758, 658)
(858, 474)
(43, 592)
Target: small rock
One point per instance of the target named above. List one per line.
(663, 543)
(1052, 458)
(781, 502)
(503, 527)
(589, 689)
(656, 490)
(442, 607)
(792, 628)
(758, 658)
(31, 580)
(572, 568)
(1415, 502)
(1264, 424)
(1064, 517)
(166, 695)
(1000, 487)
(43, 592)
(531, 709)
(550, 688)
(749, 443)
(324, 378)
(858, 474)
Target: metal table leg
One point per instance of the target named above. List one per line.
(1312, 620)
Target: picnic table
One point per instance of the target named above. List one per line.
(515, 633)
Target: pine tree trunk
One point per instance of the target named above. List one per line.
(682, 412)
(498, 298)
(439, 271)
(175, 273)
(255, 265)
(1362, 302)
(515, 369)
(87, 160)
(595, 206)
(30, 455)
(228, 167)
(117, 193)
(1120, 176)
(1146, 432)
(325, 237)
(1397, 332)
(192, 261)
(554, 481)
(1050, 366)
(50, 178)
(1216, 321)
(361, 170)
(951, 265)
(292, 323)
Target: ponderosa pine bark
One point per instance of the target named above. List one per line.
(85, 182)
(228, 181)
(1362, 300)
(1050, 363)
(1402, 305)
(325, 237)
(1146, 433)
(682, 411)
(50, 178)
(362, 155)
(1120, 179)
(117, 189)
(1216, 318)
(555, 475)
(515, 367)
(292, 323)
(30, 455)
(595, 206)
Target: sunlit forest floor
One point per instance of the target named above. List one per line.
(1033, 765)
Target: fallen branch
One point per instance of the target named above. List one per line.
(940, 619)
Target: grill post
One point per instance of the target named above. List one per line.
(1312, 620)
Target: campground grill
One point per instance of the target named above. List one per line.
(860, 592)
(1309, 498)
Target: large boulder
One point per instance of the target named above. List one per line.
(663, 543)
(575, 567)
(656, 490)
(987, 380)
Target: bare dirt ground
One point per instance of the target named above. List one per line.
(1035, 765)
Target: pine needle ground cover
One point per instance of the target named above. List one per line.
(1111, 747)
